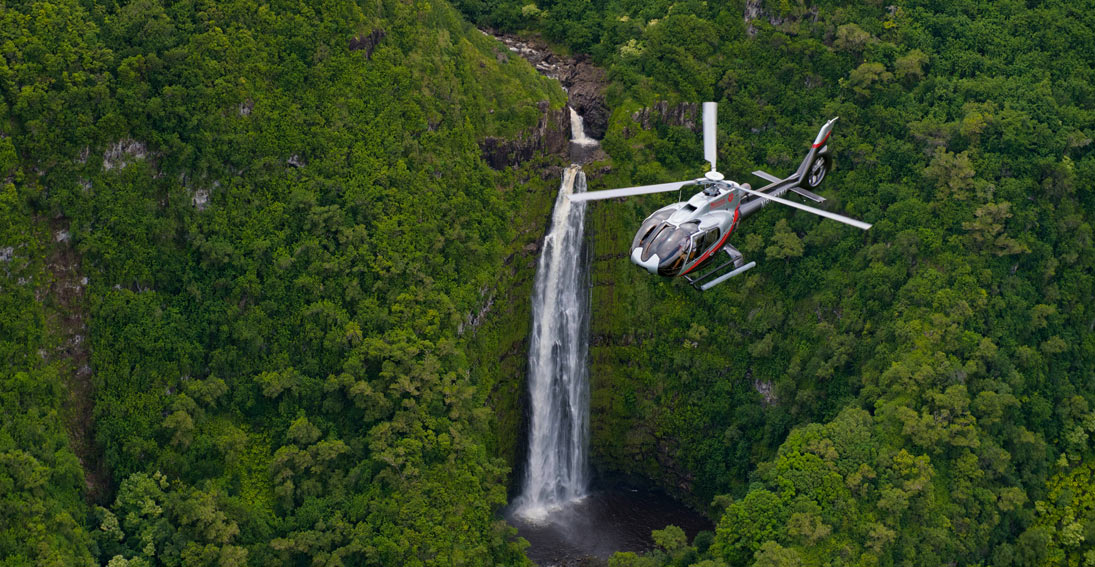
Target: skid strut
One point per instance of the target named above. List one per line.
(719, 273)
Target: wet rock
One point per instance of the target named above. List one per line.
(583, 81)
(551, 172)
(585, 84)
(535, 52)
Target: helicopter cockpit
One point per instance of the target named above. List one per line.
(673, 245)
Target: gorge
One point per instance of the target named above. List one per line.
(563, 519)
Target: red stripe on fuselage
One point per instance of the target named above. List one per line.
(822, 142)
(717, 246)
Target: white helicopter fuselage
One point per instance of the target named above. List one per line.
(676, 239)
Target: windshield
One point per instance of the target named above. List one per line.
(648, 229)
(671, 244)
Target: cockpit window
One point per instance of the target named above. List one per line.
(671, 243)
(647, 230)
(701, 242)
(673, 246)
(654, 238)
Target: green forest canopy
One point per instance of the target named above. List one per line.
(283, 236)
(929, 382)
(283, 215)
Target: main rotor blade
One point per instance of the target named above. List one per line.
(629, 191)
(826, 214)
(710, 119)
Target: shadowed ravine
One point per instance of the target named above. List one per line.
(603, 522)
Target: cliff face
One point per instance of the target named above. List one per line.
(551, 135)
(584, 84)
(632, 409)
(583, 81)
(686, 114)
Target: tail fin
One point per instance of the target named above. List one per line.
(818, 145)
(823, 134)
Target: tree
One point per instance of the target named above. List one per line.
(772, 554)
(987, 231)
(785, 243)
(861, 79)
(671, 539)
(951, 173)
(852, 38)
(910, 66)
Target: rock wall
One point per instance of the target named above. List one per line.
(686, 114)
(551, 135)
(583, 81)
(788, 22)
(584, 84)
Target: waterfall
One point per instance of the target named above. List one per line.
(558, 374)
(577, 130)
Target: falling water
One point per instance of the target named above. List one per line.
(578, 131)
(558, 386)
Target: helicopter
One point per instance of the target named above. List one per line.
(679, 238)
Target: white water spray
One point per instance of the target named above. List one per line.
(578, 131)
(556, 471)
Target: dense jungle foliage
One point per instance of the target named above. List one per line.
(920, 394)
(286, 227)
(289, 237)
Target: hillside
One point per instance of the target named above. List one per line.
(276, 223)
(920, 394)
(264, 302)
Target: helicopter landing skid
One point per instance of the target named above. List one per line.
(720, 274)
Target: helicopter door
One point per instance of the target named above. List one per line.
(708, 239)
(701, 242)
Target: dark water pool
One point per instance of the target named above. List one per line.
(602, 523)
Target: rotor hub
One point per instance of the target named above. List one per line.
(714, 175)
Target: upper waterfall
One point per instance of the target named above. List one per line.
(577, 130)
